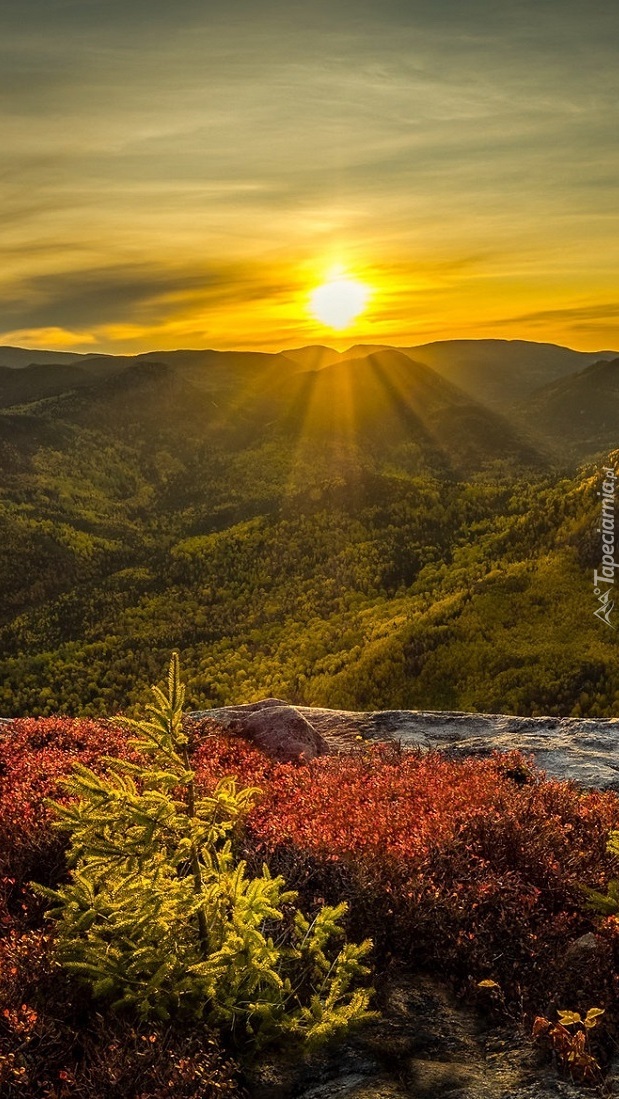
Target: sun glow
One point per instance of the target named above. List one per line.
(339, 301)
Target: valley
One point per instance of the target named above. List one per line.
(353, 530)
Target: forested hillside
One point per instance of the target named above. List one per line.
(357, 533)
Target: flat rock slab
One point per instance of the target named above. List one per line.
(585, 750)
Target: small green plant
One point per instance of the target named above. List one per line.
(159, 916)
(569, 1041)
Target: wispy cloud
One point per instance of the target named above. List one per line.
(133, 293)
(572, 314)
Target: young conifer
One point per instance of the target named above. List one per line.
(159, 916)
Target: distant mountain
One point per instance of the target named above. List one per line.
(209, 360)
(391, 400)
(493, 371)
(499, 372)
(239, 377)
(16, 357)
(373, 405)
(469, 401)
(214, 377)
(41, 380)
(315, 357)
(581, 412)
(36, 382)
(144, 402)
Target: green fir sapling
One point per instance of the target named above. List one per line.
(159, 917)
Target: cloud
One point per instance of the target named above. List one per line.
(571, 314)
(136, 294)
(82, 298)
(54, 338)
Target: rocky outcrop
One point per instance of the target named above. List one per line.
(425, 1045)
(585, 750)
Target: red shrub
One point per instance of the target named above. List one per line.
(54, 1041)
(470, 865)
(216, 754)
(34, 754)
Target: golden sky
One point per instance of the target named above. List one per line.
(185, 174)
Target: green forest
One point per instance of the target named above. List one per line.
(406, 552)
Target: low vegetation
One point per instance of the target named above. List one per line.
(473, 869)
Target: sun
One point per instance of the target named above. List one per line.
(339, 301)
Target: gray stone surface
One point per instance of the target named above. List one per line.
(583, 749)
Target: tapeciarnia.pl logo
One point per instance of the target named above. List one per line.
(604, 575)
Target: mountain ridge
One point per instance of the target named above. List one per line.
(582, 408)
(497, 373)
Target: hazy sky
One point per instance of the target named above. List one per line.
(185, 172)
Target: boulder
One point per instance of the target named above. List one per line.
(279, 730)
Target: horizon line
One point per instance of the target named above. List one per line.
(301, 347)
